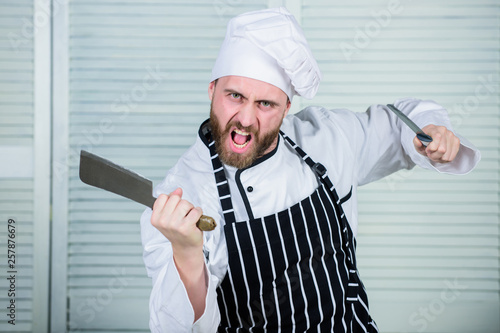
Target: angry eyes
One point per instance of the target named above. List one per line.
(265, 104)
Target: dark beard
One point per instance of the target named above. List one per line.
(240, 161)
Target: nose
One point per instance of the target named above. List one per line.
(247, 114)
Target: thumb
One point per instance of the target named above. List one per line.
(177, 191)
(419, 147)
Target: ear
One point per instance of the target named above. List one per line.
(211, 89)
(288, 105)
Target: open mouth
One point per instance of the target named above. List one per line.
(240, 138)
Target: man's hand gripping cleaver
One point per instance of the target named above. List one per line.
(104, 174)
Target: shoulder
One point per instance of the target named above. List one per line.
(317, 124)
(326, 136)
(317, 117)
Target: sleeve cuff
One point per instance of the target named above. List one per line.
(467, 159)
(468, 156)
(169, 303)
(209, 321)
(170, 306)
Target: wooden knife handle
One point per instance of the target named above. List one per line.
(206, 223)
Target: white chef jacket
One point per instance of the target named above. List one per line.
(355, 148)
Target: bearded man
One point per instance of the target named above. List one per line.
(283, 191)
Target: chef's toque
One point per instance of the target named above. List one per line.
(270, 46)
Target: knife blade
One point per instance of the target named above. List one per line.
(424, 138)
(104, 174)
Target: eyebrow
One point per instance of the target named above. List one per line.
(232, 91)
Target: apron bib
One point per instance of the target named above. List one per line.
(293, 271)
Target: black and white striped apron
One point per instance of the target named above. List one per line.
(293, 271)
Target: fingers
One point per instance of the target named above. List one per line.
(419, 146)
(176, 219)
(157, 208)
(455, 149)
(444, 146)
(173, 214)
(437, 148)
(194, 214)
(177, 191)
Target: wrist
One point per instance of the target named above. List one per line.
(189, 262)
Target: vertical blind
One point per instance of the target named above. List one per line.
(16, 173)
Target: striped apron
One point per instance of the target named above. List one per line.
(293, 271)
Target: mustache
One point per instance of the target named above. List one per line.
(238, 125)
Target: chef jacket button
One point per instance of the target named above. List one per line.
(250, 189)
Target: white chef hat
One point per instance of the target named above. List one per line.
(270, 46)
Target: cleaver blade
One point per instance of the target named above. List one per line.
(104, 174)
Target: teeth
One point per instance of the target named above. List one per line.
(241, 132)
(240, 146)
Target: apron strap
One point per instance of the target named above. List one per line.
(220, 178)
(318, 168)
(322, 174)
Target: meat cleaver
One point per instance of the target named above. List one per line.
(104, 174)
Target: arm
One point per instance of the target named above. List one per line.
(183, 297)
(391, 145)
(176, 220)
(449, 152)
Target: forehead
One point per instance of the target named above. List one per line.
(251, 87)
